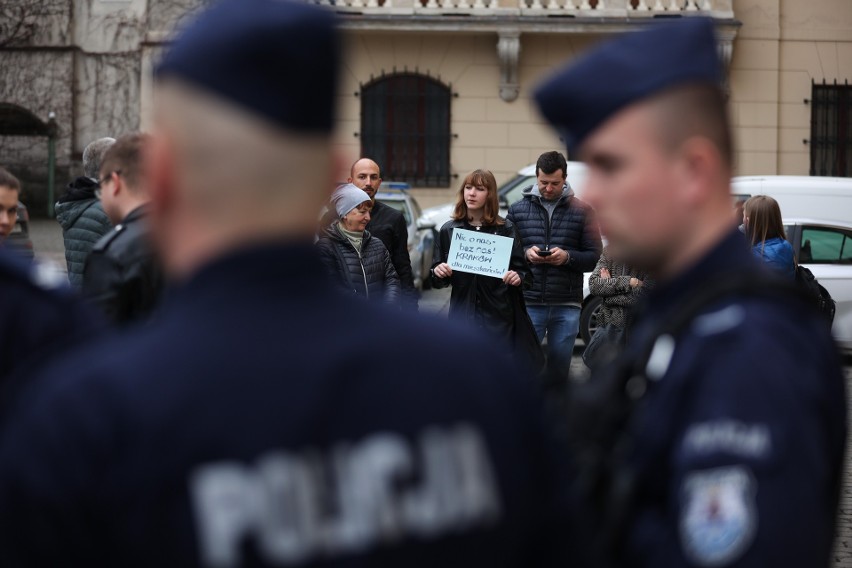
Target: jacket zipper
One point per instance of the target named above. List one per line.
(361, 262)
(547, 246)
(363, 270)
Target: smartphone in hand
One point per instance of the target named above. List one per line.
(545, 252)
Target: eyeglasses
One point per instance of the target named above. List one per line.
(101, 182)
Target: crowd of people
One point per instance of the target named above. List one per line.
(259, 391)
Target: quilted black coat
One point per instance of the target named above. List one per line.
(572, 228)
(369, 274)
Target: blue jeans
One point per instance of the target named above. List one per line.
(560, 324)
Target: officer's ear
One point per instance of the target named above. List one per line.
(700, 167)
(161, 171)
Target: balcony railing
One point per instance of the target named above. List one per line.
(565, 8)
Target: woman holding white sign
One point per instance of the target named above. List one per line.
(486, 273)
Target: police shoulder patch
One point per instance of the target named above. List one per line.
(718, 515)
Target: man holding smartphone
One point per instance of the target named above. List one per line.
(561, 241)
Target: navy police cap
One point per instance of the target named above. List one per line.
(276, 58)
(580, 97)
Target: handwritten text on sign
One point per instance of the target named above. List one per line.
(479, 253)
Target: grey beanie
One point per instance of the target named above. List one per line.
(346, 198)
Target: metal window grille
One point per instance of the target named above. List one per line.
(405, 127)
(831, 130)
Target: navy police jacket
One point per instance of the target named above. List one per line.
(264, 420)
(39, 317)
(737, 447)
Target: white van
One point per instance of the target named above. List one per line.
(817, 214)
(825, 198)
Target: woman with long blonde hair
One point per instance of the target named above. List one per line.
(764, 229)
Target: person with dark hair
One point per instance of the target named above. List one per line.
(263, 418)
(561, 241)
(724, 418)
(10, 190)
(122, 274)
(489, 303)
(388, 225)
(357, 260)
(80, 214)
(764, 229)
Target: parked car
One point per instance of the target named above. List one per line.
(825, 247)
(421, 237)
(19, 238)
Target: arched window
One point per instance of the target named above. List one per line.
(18, 121)
(405, 127)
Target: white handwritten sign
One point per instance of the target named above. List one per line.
(479, 253)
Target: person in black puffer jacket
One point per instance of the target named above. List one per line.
(561, 241)
(81, 215)
(490, 303)
(359, 261)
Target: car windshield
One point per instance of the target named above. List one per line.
(399, 205)
(512, 190)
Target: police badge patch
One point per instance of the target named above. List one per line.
(718, 518)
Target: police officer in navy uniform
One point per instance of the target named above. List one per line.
(718, 438)
(40, 318)
(38, 315)
(251, 423)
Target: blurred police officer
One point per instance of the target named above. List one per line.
(250, 424)
(38, 315)
(122, 275)
(729, 443)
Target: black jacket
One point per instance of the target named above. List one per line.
(482, 299)
(369, 274)
(388, 225)
(572, 228)
(122, 275)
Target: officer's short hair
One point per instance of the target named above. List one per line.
(93, 156)
(693, 110)
(8, 180)
(125, 156)
(549, 162)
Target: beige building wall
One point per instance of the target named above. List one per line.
(781, 47)
(488, 131)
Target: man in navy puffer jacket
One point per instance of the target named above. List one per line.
(561, 241)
